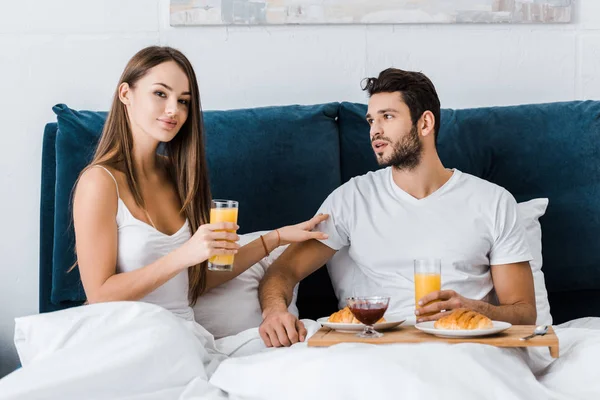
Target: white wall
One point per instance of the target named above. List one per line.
(73, 51)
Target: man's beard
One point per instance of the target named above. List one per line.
(407, 152)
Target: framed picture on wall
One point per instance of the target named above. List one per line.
(284, 12)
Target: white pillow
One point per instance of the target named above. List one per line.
(233, 306)
(529, 215)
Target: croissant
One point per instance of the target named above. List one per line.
(461, 318)
(345, 316)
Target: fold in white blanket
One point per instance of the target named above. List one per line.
(138, 351)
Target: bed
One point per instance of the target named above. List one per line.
(280, 163)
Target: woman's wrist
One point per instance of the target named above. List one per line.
(177, 259)
(272, 240)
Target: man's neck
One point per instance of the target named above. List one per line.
(423, 180)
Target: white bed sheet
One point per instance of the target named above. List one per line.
(138, 351)
(421, 371)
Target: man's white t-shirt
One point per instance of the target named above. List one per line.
(379, 230)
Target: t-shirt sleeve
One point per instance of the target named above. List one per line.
(510, 244)
(336, 226)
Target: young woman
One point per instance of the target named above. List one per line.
(141, 219)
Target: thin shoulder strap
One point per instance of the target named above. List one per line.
(117, 186)
(112, 176)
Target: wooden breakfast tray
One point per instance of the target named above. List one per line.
(409, 334)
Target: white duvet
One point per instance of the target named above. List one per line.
(138, 351)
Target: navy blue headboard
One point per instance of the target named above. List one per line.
(48, 191)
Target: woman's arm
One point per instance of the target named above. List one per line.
(254, 251)
(247, 256)
(94, 217)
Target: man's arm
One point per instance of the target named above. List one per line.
(279, 327)
(514, 287)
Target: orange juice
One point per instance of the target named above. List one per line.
(223, 215)
(425, 284)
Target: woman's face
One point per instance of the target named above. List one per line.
(158, 104)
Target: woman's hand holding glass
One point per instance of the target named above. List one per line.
(210, 240)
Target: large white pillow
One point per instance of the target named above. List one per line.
(529, 215)
(233, 307)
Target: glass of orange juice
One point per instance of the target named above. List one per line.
(223, 211)
(428, 277)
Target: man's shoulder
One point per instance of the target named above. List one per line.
(372, 179)
(361, 186)
(484, 189)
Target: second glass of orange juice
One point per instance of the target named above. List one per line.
(428, 278)
(223, 211)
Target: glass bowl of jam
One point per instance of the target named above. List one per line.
(368, 310)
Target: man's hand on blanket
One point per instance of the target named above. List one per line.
(444, 302)
(281, 328)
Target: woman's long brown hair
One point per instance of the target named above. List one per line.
(187, 166)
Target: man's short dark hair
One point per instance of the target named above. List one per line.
(416, 89)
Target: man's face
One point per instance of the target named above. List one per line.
(394, 138)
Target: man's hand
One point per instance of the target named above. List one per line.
(281, 328)
(445, 302)
(275, 291)
(517, 302)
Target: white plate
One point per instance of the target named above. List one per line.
(428, 327)
(391, 322)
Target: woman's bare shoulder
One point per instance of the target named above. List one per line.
(96, 185)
